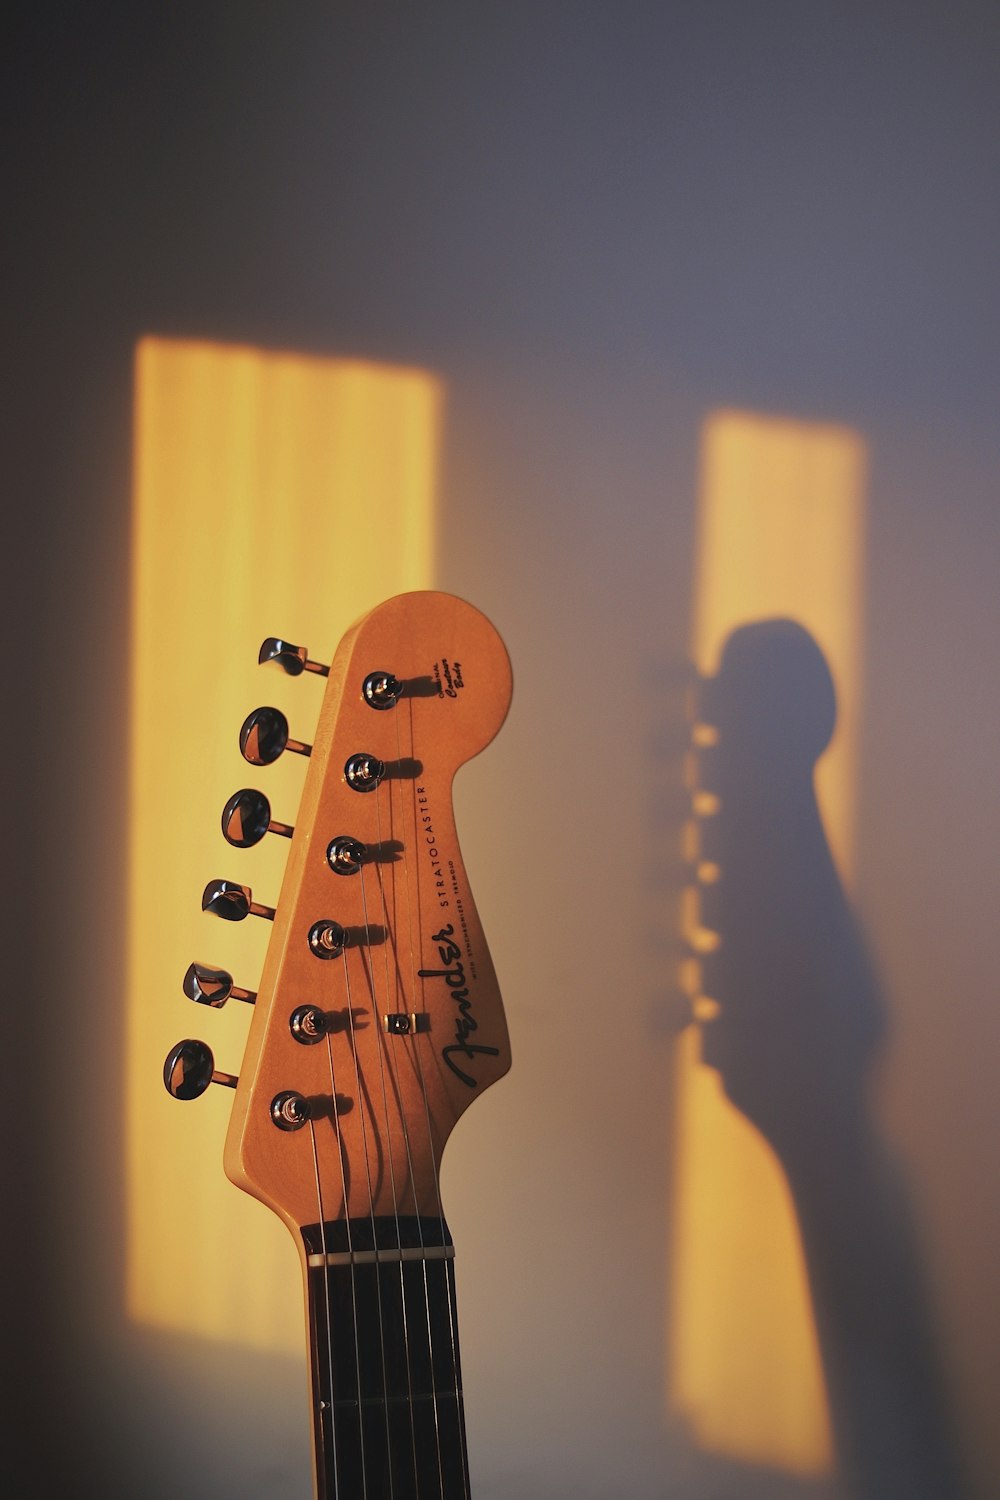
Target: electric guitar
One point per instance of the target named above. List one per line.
(377, 1021)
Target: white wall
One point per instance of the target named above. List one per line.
(597, 224)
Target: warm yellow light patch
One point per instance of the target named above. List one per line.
(781, 533)
(273, 495)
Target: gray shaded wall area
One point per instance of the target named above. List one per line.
(597, 224)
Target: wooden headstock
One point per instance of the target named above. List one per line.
(378, 1017)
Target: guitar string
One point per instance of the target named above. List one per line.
(413, 1055)
(390, 1053)
(404, 1122)
(362, 1098)
(409, 1053)
(380, 1048)
(328, 1269)
(326, 1285)
(415, 1059)
(416, 1055)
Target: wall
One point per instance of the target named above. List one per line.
(597, 226)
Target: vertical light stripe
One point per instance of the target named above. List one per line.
(273, 494)
(781, 534)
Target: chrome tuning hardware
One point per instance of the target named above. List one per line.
(290, 1111)
(382, 690)
(189, 1069)
(294, 659)
(344, 855)
(232, 902)
(264, 736)
(327, 939)
(398, 1023)
(308, 1025)
(246, 818)
(364, 771)
(214, 987)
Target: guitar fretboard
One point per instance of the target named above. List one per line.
(386, 1376)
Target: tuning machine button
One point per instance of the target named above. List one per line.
(232, 902)
(364, 772)
(382, 690)
(189, 1069)
(246, 818)
(213, 987)
(264, 736)
(294, 659)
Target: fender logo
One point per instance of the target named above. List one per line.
(453, 974)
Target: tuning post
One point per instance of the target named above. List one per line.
(264, 736)
(232, 902)
(327, 939)
(189, 1069)
(364, 771)
(382, 690)
(246, 818)
(293, 659)
(345, 855)
(308, 1025)
(290, 1110)
(214, 987)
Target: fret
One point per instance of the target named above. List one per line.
(386, 1375)
(384, 1257)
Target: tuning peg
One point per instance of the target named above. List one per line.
(265, 735)
(246, 818)
(190, 1068)
(364, 771)
(381, 690)
(213, 986)
(345, 855)
(294, 659)
(232, 902)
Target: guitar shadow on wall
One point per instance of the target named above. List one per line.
(800, 1023)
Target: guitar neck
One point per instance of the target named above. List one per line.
(377, 1021)
(386, 1388)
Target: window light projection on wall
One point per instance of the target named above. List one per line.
(274, 494)
(781, 523)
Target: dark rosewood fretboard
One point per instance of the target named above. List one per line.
(386, 1377)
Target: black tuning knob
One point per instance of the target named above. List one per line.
(265, 735)
(213, 986)
(190, 1068)
(294, 659)
(232, 902)
(246, 818)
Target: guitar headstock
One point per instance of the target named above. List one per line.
(378, 1018)
(793, 1008)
